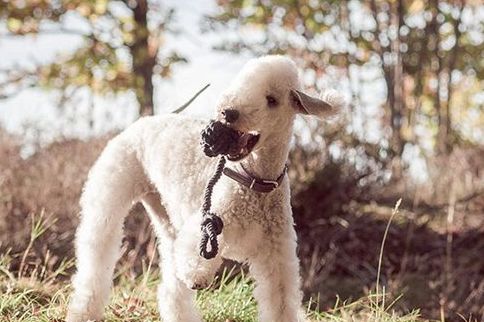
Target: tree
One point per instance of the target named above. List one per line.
(120, 51)
(417, 47)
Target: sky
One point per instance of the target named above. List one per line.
(33, 113)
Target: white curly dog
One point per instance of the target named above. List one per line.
(158, 161)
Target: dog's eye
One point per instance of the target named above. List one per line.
(271, 101)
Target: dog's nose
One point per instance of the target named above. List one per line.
(230, 115)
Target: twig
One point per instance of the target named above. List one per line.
(29, 246)
(380, 258)
(184, 106)
(448, 248)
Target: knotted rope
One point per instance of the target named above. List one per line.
(212, 225)
(216, 139)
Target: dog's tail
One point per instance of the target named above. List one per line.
(114, 182)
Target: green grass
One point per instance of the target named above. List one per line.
(135, 300)
(40, 294)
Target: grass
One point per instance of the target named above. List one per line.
(40, 294)
(135, 300)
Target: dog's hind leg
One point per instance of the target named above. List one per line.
(158, 215)
(113, 184)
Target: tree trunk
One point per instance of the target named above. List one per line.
(397, 82)
(144, 59)
(393, 72)
(450, 69)
(438, 69)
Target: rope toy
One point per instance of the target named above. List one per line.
(217, 139)
(212, 224)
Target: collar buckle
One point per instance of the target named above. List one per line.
(251, 187)
(274, 183)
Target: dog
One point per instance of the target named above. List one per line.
(159, 162)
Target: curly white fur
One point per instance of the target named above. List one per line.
(159, 162)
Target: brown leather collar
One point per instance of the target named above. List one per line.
(253, 183)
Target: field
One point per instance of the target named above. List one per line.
(134, 300)
(431, 267)
(387, 189)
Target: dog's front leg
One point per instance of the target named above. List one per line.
(191, 268)
(276, 272)
(176, 302)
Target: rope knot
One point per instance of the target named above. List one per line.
(211, 227)
(212, 224)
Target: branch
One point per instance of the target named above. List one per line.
(22, 78)
(61, 31)
(18, 91)
(455, 49)
(184, 106)
(376, 43)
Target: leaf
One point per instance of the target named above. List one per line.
(14, 25)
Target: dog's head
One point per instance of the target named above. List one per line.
(263, 100)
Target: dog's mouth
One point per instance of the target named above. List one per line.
(245, 144)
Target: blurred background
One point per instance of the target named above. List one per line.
(75, 73)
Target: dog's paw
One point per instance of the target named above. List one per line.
(82, 317)
(199, 286)
(195, 279)
(196, 272)
(82, 309)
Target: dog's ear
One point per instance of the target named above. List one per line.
(329, 103)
